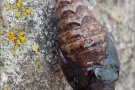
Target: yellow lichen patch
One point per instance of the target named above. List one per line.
(17, 28)
(16, 10)
(21, 36)
(7, 5)
(38, 63)
(15, 47)
(28, 11)
(35, 48)
(17, 14)
(18, 42)
(19, 9)
(18, 5)
(22, 39)
(19, 1)
(11, 36)
(5, 88)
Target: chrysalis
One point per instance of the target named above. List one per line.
(87, 54)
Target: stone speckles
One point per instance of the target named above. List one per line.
(37, 22)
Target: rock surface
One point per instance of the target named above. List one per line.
(117, 17)
(28, 42)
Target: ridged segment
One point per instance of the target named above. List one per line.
(79, 30)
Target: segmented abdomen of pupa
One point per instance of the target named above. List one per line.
(81, 36)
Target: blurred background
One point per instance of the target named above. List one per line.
(118, 18)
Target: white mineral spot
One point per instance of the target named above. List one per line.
(10, 19)
(4, 77)
(109, 28)
(49, 44)
(13, 14)
(24, 3)
(17, 22)
(14, 19)
(8, 12)
(40, 12)
(12, 24)
(122, 45)
(12, 1)
(7, 17)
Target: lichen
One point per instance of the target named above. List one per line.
(11, 36)
(22, 67)
(17, 40)
(28, 11)
(35, 48)
(21, 37)
(38, 63)
(6, 88)
(15, 12)
(18, 5)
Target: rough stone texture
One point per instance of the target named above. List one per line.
(18, 68)
(22, 69)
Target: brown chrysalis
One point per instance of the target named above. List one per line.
(87, 54)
